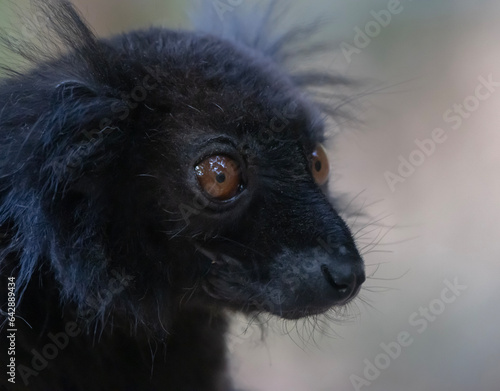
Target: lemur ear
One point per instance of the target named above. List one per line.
(72, 89)
(81, 125)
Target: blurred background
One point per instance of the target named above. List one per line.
(423, 162)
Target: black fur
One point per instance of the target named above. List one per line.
(103, 224)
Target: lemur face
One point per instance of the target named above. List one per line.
(237, 154)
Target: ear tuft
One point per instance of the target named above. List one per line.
(54, 28)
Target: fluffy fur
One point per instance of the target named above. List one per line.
(121, 261)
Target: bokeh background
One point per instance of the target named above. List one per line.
(437, 225)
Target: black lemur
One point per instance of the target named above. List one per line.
(150, 183)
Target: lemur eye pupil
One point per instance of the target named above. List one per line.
(317, 166)
(219, 177)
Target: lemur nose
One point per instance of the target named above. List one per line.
(344, 280)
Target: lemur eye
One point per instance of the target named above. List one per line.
(219, 176)
(319, 165)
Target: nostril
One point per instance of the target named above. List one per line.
(342, 287)
(328, 276)
(342, 282)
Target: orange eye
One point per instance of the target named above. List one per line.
(319, 165)
(219, 176)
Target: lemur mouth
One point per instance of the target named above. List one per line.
(227, 281)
